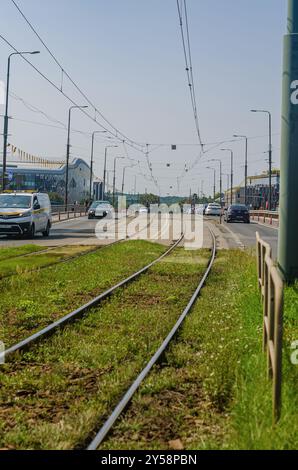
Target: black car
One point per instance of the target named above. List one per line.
(237, 213)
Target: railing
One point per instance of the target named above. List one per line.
(267, 217)
(71, 211)
(272, 287)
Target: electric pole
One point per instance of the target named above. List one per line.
(288, 230)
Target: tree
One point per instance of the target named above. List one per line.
(148, 199)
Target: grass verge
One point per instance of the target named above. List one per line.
(6, 253)
(212, 391)
(30, 301)
(19, 265)
(64, 388)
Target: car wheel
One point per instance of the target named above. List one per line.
(46, 233)
(31, 233)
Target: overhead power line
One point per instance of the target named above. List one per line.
(120, 135)
(185, 36)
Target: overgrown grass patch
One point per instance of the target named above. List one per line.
(65, 387)
(12, 252)
(19, 265)
(31, 300)
(212, 391)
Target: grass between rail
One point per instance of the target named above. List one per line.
(6, 253)
(35, 260)
(54, 396)
(32, 300)
(212, 391)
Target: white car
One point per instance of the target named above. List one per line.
(213, 209)
(25, 213)
(100, 209)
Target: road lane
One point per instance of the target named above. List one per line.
(245, 235)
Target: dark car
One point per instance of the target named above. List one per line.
(237, 213)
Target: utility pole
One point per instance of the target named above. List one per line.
(288, 223)
(105, 168)
(6, 117)
(270, 153)
(68, 151)
(232, 171)
(92, 161)
(246, 165)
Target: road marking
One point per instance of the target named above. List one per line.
(236, 237)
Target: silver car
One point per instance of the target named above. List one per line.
(100, 209)
(213, 209)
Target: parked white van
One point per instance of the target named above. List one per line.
(25, 213)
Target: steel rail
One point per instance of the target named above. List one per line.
(136, 384)
(78, 313)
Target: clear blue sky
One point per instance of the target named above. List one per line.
(127, 56)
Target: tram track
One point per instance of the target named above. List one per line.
(126, 399)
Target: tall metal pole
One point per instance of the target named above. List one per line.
(245, 166)
(68, 151)
(123, 180)
(270, 161)
(288, 222)
(105, 173)
(5, 133)
(270, 153)
(91, 166)
(6, 117)
(114, 178)
(92, 160)
(232, 171)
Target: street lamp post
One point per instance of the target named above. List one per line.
(246, 165)
(123, 177)
(232, 171)
(214, 181)
(68, 151)
(105, 168)
(114, 178)
(92, 160)
(220, 177)
(270, 153)
(6, 117)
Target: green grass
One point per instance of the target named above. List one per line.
(65, 387)
(30, 301)
(212, 391)
(6, 253)
(18, 265)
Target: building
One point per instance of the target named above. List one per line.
(257, 191)
(51, 178)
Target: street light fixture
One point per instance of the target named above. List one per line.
(270, 152)
(232, 170)
(68, 151)
(245, 172)
(92, 160)
(6, 117)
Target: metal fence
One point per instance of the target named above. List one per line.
(272, 288)
(71, 211)
(267, 217)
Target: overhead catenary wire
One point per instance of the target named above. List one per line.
(64, 74)
(188, 64)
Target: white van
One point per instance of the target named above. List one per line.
(25, 213)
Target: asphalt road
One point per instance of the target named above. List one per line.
(245, 235)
